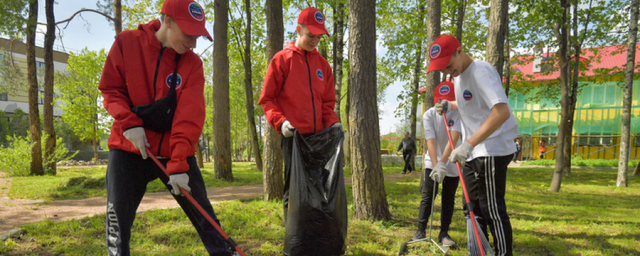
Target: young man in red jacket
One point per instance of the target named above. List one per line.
(298, 91)
(145, 69)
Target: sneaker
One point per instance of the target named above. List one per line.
(446, 240)
(419, 235)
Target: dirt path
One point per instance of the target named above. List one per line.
(16, 212)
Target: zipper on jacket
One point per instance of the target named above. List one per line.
(155, 76)
(313, 104)
(160, 144)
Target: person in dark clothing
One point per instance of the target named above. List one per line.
(149, 66)
(408, 146)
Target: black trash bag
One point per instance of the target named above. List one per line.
(316, 221)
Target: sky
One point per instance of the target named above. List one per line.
(94, 32)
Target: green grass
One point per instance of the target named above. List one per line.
(582, 162)
(78, 183)
(589, 217)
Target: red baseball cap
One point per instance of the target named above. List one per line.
(314, 20)
(189, 15)
(444, 91)
(440, 52)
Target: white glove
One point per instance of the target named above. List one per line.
(177, 181)
(461, 153)
(138, 138)
(338, 125)
(442, 106)
(287, 129)
(439, 172)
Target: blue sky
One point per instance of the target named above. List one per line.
(92, 31)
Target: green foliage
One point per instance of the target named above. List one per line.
(544, 223)
(80, 99)
(15, 159)
(13, 13)
(13, 80)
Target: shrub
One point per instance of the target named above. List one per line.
(15, 159)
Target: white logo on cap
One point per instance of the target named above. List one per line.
(196, 11)
(319, 17)
(435, 51)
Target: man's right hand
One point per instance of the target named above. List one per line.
(439, 172)
(442, 106)
(287, 129)
(138, 138)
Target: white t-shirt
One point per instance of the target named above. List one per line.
(478, 89)
(434, 129)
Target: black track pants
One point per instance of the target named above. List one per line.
(486, 180)
(127, 178)
(449, 187)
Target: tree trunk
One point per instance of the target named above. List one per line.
(462, 8)
(369, 196)
(417, 72)
(338, 51)
(221, 114)
(636, 172)
(495, 35)
(199, 155)
(562, 36)
(434, 9)
(248, 89)
(49, 131)
(273, 178)
(117, 23)
(34, 112)
(433, 31)
(507, 60)
(627, 100)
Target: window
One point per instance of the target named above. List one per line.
(4, 97)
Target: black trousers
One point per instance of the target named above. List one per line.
(287, 147)
(486, 180)
(449, 187)
(127, 178)
(406, 155)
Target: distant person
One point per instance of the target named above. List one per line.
(408, 147)
(153, 87)
(542, 148)
(438, 167)
(488, 130)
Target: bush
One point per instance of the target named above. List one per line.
(583, 162)
(16, 158)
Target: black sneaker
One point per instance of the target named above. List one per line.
(419, 235)
(446, 240)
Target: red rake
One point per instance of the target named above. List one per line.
(481, 241)
(226, 237)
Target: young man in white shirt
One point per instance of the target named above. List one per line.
(488, 130)
(437, 165)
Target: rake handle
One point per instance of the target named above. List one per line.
(199, 207)
(464, 188)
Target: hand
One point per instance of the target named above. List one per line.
(439, 172)
(461, 153)
(338, 125)
(442, 106)
(138, 138)
(287, 129)
(177, 181)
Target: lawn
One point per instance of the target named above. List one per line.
(78, 183)
(590, 216)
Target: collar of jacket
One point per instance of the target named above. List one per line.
(292, 47)
(152, 41)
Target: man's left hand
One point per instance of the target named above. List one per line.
(338, 125)
(461, 153)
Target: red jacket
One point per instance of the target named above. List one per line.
(299, 87)
(127, 80)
